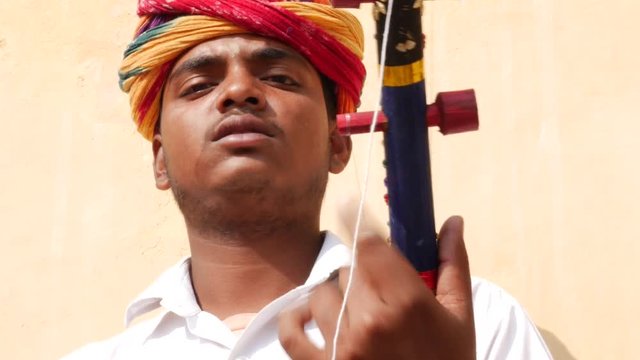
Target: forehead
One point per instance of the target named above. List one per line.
(244, 47)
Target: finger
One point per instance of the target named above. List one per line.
(325, 303)
(454, 279)
(379, 266)
(361, 284)
(365, 302)
(386, 270)
(342, 279)
(292, 336)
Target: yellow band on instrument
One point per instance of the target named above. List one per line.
(403, 75)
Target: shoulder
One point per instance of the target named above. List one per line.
(503, 328)
(96, 350)
(131, 338)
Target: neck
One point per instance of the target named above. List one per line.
(242, 271)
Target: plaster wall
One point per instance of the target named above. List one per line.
(548, 186)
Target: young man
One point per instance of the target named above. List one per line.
(240, 111)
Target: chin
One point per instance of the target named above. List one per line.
(246, 185)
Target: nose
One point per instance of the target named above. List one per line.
(240, 89)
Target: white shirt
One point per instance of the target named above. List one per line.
(184, 331)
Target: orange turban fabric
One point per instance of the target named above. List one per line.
(331, 39)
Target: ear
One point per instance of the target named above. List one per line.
(340, 147)
(160, 164)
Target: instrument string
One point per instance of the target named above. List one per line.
(365, 186)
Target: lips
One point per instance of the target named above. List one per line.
(242, 124)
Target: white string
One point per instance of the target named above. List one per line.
(363, 193)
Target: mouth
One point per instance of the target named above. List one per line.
(241, 128)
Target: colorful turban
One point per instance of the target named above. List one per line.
(330, 39)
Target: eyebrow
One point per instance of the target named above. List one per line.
(197, 63)
(265, 54)
(273, 53)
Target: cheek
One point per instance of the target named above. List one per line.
(310, 131)
(183, 142)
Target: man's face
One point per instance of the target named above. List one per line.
(244, 115)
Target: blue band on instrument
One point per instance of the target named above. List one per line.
(409, 175)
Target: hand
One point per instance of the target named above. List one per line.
(390, 313)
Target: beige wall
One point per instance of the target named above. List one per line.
(549, 186)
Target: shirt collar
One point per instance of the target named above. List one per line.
(173, 290)
(333, 255)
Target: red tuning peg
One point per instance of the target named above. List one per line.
(453, 112)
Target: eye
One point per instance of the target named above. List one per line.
(280, 79)
(195, 88)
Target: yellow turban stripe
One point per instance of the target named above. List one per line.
(150, 57)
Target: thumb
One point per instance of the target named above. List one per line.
(454, 279)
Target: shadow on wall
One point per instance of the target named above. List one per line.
(558, 350)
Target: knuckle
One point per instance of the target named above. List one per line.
(286, 340)
(371, 242)
(343, 273)
(376, 325)
(353, 351)
(320, 290)
(414, 303)
(285, 335)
